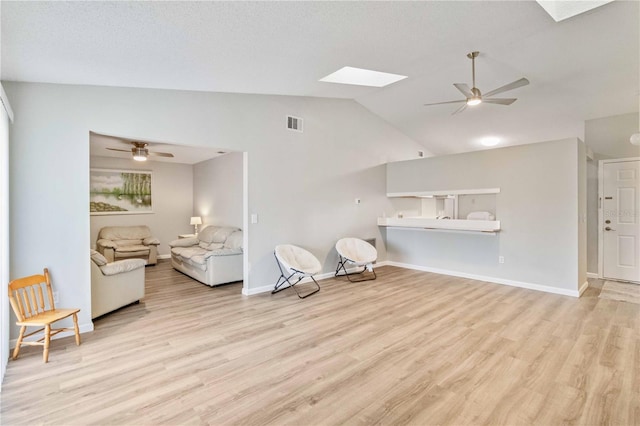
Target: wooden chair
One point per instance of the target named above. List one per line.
(28, 303)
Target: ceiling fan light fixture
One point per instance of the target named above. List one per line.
(140, 154)
(474, 101)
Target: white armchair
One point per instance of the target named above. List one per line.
(127, 242)
(115, 284)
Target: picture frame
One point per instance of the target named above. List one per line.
(115, 191)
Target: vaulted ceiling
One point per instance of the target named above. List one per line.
(581, 68)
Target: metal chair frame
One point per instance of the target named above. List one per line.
(287, 279)
(342, 266)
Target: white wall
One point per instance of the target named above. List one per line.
(608, 137)
(217, 190)
(539, 206)
(301, 184)
(172, 200)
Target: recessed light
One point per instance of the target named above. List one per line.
(561, 9)
(490, 141)
(362, 77)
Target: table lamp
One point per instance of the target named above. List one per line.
(195, 221)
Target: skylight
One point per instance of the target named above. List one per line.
(561, 10)
(362, 77)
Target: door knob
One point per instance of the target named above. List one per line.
(608, 228)
(607, 221)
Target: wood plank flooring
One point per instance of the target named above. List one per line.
(409, 348)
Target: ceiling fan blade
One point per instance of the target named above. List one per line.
(161, 154)
(121, 150)
(459, 110)
(448, 102)
(464, 88)
(500, 101)
(510, 86)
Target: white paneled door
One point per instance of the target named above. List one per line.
(621, 220)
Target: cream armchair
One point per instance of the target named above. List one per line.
(116, 284)
(126, 242)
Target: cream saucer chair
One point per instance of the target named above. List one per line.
(295, 262)
(356, 252)
(33, 310)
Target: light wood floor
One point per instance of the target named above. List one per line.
(409, 348)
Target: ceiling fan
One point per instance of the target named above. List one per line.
(475, 97)
(140, 151)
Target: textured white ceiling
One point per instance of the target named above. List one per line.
(582, 68)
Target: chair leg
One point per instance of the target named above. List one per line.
(307, 295)
(47, 341)
(342, 266)
(16, 350)
(77, 330)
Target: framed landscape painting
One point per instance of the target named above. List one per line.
(119, 192)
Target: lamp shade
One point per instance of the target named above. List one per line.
(196, 220)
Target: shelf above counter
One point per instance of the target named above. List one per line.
(429, 194)
(489, 226)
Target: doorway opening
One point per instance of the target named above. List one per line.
(188, 184)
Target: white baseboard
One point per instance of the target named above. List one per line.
(513, 283)
(318, 277)
(84, 328)
(592, 275)
(164, 256)
(583, 287)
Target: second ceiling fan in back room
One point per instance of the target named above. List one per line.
(140, 151)
(475, 97)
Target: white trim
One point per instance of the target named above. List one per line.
(84, 328)
(513, 283)
(600, 202)
(258, 290)
(520, 284)
(620, 160)
(324, 276)
(583, 287)
(163, 256)
(600, 218)
(592, 275)
(246, 266)
(5, 102)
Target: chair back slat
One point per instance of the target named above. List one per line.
(26, 302)
(33, 299)
(41, 304)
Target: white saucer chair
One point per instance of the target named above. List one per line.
(357, 252)
(295, 262)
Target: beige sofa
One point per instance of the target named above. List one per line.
(116, 284)
(213, 257)
(126, 242)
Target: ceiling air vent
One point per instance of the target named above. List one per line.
(294, 123)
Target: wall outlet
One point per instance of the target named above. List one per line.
(500, 259)
(254, 218)
(55, 297)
